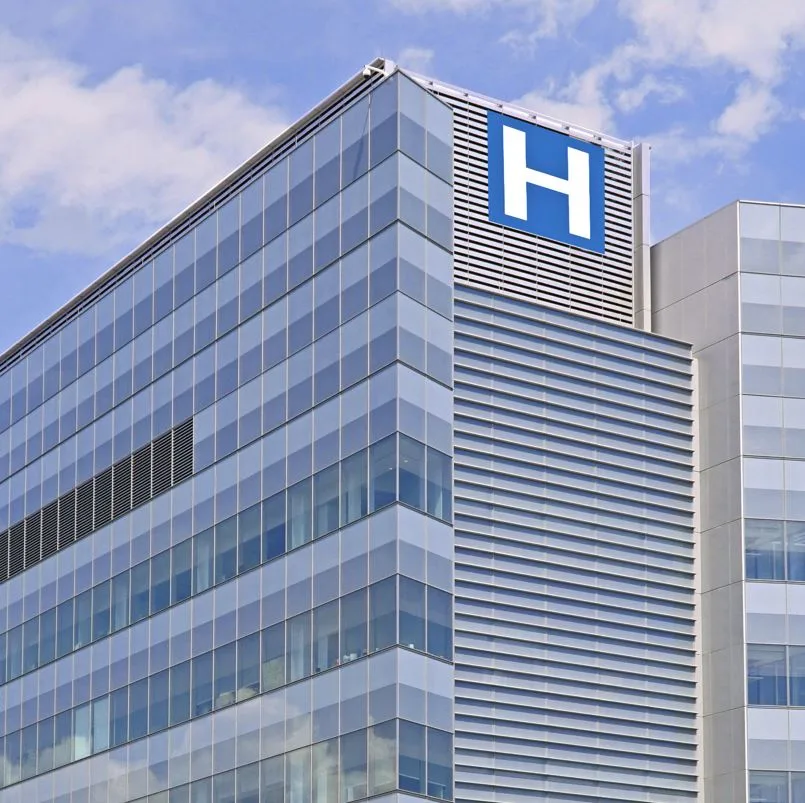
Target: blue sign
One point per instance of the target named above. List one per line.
(546, 183)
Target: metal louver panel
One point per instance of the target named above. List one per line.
(183, 451)
(121, 486)
(103, 499)
(50, 529)
(66, 519)
(131, 482)
(16, 548)
(4, 536)
(492, 257)
(83, 509)
(33, 538)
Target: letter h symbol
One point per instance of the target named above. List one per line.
(517, 175)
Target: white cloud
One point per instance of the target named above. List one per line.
(581, 102)
(751, 114)
(86, 166)
(634, 97)
(416, 59)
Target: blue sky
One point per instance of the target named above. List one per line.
(116, 115)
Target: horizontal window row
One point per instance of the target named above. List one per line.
(288, 193)
(775, 550)
(395, 754)
(398, 258)
(395, 610)
(775, 674)
(774, 787)
(394, 469)
(307, 360)
(113, 493)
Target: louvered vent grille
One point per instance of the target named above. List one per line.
(492, 257)
(131, 482)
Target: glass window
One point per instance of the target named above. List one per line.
(251, 213)
(355, 141)
(297, 776)
(203, 555)
(325, 489)
(796, 671)
(384, 133)
(797, 787)
(354, 214)
(328, 161)
(140, 592)
(440, 623)
(181, 571)
(272, 780)
(440, 764)
(138, 709)
(382, 473)
(64, 636)
(201, 690)
(382, 757)
(325, 636)
(101, 611)
(226, 550)
(300, 317)
(383, 614)
(120, 601)
(412, 757)
(158, 701)
(326, 292)
(298, 647)
(413, 104)
(353, 625)
(766, 672)
(412, 473)
(47, 640)
(248, 681)
(227, 302)
(300, 251)
(30, 643)
(160, 581)
(768, 787)
(795, 541)
(325, 772)
(248, 784)
(353, 766)
(300, 194)
(385, 181)
(354, 283)
(249, 536)
(180, 693)
(326, 229)
(274, 526)
(299, 514)
(225, 675)
(354, 487)
(272, 671)
(440, 485)
(229, 235)
(412, 614)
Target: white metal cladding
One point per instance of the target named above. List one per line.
(494, 257)
(574, 594)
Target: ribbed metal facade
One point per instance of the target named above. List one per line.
(493, 257)
(575, 644)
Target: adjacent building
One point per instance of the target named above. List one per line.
(733, 285)
(363, 479)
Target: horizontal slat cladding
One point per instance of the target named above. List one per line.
(574, 612)
(497, 258)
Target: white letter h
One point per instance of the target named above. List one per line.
(517, 175)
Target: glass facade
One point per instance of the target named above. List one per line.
(226, 538)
